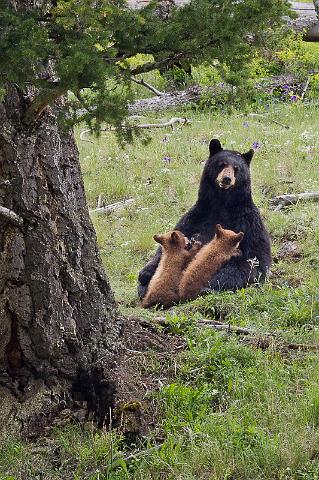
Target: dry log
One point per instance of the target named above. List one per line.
(174, 99)
(194, 93)
(114, 206)
(11, 216)
(282, 201)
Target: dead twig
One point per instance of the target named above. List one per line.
(100, 201)
(219, 326)
(84, 132)
(11, 216)
(114, 206)
(302, 96)
(148, 86)
(264, 116)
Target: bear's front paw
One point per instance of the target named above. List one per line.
(144, 277)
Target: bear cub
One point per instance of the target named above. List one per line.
(163, 288)
(208, 261)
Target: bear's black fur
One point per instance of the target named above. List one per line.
(224, 197)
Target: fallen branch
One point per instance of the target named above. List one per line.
(114, 206)
(264, 340)
(226, 327)
(11, 216)
(147, 85)
(282, 201)
(173, 121)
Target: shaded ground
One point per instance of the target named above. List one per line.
(146, 363)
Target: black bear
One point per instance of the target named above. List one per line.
(224, 198)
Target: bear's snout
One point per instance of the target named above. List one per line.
(226, 178)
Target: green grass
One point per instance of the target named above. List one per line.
(287, 162)
(234, 412)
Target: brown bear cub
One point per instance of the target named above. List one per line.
(164, 285)
(208, 261)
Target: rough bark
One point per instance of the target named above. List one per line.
(58, 320)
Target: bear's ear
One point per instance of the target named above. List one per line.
(239, 237)
(175, 237)
(219, 230)
(248, 156)
(158, 238)
(214, 147)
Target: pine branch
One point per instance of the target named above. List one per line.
(45, 98)
(166, 62)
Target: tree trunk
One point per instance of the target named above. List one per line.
(59, 324)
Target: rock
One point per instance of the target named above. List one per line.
(289, 249)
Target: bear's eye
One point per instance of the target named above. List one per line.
(222, 165)
(235, 168)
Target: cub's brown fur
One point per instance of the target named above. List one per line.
(163, 288)
(208, 261)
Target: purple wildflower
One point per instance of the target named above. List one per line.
(293, 98)
(245, 124)
(167, 160)
(257, 145)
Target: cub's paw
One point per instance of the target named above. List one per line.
(197, 246)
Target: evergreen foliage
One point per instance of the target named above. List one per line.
(75, 45)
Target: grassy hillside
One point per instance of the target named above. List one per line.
(233, 412)
(163, 178)
(229, 410)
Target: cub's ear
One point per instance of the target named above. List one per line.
(214, 147)
(239, 237)
(219, 230)
(175, 237)
(158, 238)
(248, 156)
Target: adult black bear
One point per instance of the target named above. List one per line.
(224, 198)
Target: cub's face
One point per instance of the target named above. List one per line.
(174, 240)
(227, 169)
